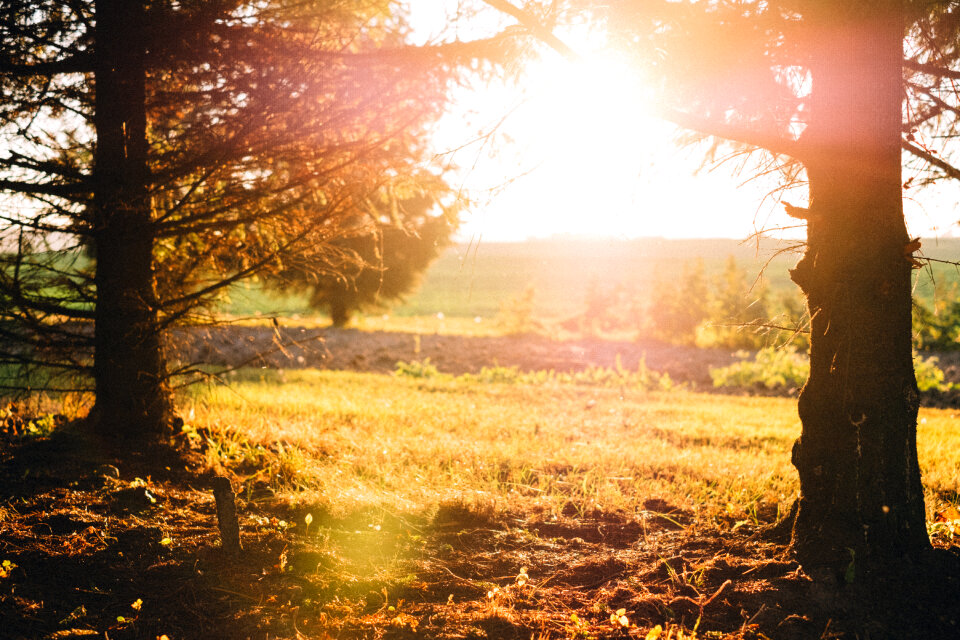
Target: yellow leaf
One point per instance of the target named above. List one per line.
(6, 568)
(136, 604)
(654, 633)
(166, 542)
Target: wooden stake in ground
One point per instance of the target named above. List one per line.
(226, 515)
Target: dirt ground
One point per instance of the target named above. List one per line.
(104, 544)
(350, 349)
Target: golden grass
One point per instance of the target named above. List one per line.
(353, 441)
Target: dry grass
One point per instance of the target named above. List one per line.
(444, 507)
(360, 442)
(376, 506)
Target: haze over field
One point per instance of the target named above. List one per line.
(574, 148)
(475, 279)
(226, 409)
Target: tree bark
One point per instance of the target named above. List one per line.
(339, 312)
(861, 499)
(132, 398)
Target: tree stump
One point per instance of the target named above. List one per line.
(227, 515)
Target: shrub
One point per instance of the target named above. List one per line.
(929, 375)
(516, 314)
(613, 307)
(770, 368)
(787, 368)
(937, 327)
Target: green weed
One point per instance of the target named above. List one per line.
(420, 369)
(771, 368)
(786, 368)
(616, 377)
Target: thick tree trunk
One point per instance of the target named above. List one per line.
(132, 399)
(861, 502)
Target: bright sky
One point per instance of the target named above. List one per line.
(576, 154)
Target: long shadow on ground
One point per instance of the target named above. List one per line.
(124, 544)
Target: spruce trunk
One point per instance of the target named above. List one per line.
(861, 500)
(132, 399)
(339, 313)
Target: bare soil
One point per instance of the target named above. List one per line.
(350, 349)
(97, 553)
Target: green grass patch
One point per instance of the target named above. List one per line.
(786, 368)
(617, 377)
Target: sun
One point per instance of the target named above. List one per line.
(598, 102)
(578, 151)
(585, 146)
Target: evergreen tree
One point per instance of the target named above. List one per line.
(737, 307)
(157, 152)
(370, 271)
(678, 306)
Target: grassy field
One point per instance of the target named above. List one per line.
(389, 444)
(513, 505)
(425, 505)
(475, 280)
(440, 506)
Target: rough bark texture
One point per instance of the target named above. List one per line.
(132, 399)
(227, 520)
(861, 502)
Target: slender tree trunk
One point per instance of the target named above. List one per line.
(339, 313)
(861, 502)
(132, 399)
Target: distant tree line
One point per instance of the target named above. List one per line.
(730, 309)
